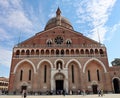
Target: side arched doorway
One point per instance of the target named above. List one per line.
(116, 85)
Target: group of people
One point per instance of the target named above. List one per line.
(100, 92)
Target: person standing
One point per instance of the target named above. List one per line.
(24, 93)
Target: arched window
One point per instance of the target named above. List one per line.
(32, 52)
(91, 51)
(81, 51)
(72, 51)
(101, 52)
(96, 51)
(62, 52)
(18, 52)
(68, 42)
(45, 73)
(27, 52)
(57, 52)
(77, 51)
(72, 70)
(21, 75)
(42, 52)
(49, 43)
(37, 52)
(67, 51)
(23, 52)
(89, 78)
(29, 75)
(87, 51)
(52, 52)
(98, 75)
(47, 52)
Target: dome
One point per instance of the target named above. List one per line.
(58, 21)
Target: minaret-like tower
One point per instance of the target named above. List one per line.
(58, 16)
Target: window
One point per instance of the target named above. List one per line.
(62, 52)
(49, 43)
(72, 69)
(68, 42)
(89, 79)
(98, 75)
(29, 75)
(21, 75)
(45, 73)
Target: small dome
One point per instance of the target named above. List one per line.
(58, 21)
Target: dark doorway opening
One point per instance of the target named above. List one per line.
(23, 88)
(94, 87)
(116, 86)
(59, 85)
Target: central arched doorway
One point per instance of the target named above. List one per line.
(59, 82)
(24, 86)
(116, 85)
(94, 88)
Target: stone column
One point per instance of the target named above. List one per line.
(66, 79)
(52, 79)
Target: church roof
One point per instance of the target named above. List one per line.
(58, 21)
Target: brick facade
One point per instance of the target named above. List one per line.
(61, 56)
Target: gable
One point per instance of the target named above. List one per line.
(41, 38)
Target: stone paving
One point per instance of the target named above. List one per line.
(61, 96)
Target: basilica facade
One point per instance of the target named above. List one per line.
(60, 58)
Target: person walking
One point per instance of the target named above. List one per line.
(24, 93)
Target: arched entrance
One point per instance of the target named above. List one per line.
(94, 88)
(24, 86)
(94, 85)
(59, 82)
(116, 85)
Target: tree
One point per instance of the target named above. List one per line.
(116, 62)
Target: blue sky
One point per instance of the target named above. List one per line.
(21, 19)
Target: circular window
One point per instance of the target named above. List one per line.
(58, 40)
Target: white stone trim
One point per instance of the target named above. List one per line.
(55, 63)
(101, 63)
(115, 78)
(74, 61)
(25, 60)
(44, 60)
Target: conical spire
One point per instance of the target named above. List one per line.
(58, 12)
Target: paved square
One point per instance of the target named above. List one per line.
(61, 96)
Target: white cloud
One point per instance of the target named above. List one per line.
(5, 57)
(5, 36)
(97, 13)
(4, 3)
(18, 20)
(13, 15)
(112, 30)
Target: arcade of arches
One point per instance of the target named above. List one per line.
(59, 58)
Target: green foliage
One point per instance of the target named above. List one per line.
(116, 62)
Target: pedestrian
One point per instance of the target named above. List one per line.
(24, 93)
(99, 92)
(83, 92)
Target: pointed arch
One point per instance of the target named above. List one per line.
(25, 60)
(74, 61)
(101, 63)
(44, 60)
